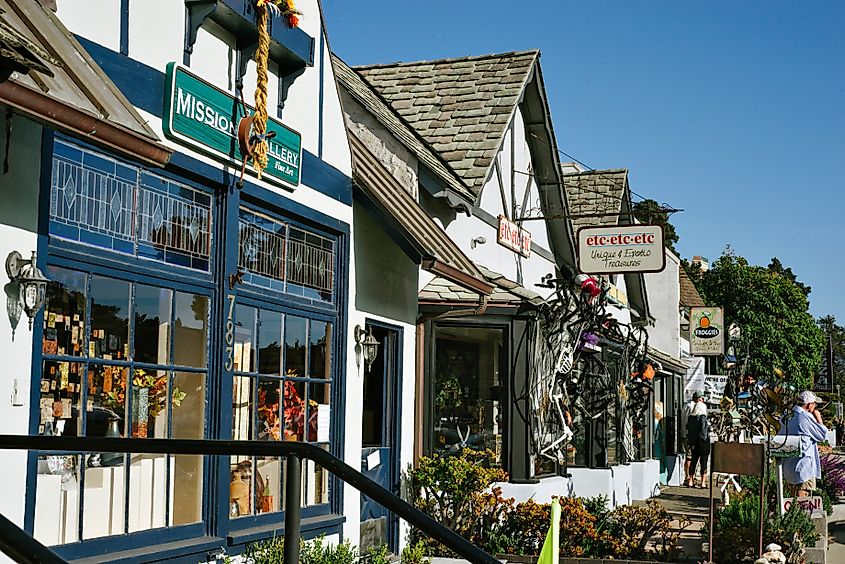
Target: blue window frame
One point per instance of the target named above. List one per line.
(138, 245)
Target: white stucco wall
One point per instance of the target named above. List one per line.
(18, 232)
(664, 296)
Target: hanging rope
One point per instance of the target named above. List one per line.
(262, 55)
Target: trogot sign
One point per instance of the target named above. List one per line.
(707, 331)
(621, 249)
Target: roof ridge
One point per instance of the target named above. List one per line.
(447, 60)
(435, 153)
(597, 171)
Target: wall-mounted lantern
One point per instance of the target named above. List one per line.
(32, 284)
(368, 343)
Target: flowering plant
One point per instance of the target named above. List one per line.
(268, 414)
(294, 409)
(284, 8)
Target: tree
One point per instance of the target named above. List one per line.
(772, 311)
(649, 211)
(776, 267)
(836, 333)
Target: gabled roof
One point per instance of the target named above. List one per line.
(398, 127)
(73, 94)
(603, 198)
(421, 238)
(19, 54)
(461, 107)
(595, 197)
(689, 294)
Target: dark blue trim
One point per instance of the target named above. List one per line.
(320, 103)
(124, 27)
(284, 207)
(144, 87)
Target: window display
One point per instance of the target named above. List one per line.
(468, 391)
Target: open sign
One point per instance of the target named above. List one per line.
(812, 506)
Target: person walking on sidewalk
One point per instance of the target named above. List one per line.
(687, 411)
(698, 438)
(805, 421)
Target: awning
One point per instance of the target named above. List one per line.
(422, 239)
(57, 83)
(506, 292)
(669, 362)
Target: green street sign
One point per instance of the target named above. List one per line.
(202, 116)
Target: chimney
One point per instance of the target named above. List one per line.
(703, 263)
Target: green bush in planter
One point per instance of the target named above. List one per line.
(272, 551)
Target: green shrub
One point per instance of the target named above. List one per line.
(737, 529)
(457, 492)
(378, 554)
(272, 551)
(414, 554)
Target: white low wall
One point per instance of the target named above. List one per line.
(645, 479)
(622, 478)
(540, 492)
(675, 470)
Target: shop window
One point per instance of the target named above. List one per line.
(119, 359)
(282, 257)
(102, 202)
(468, 390)
(281, 391)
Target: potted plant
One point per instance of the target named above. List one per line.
(150, 399)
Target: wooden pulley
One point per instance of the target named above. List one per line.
(245, 141)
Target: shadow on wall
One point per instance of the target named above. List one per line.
(20, 144)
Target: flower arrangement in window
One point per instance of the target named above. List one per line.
(150, 400)
(293, 412)
(268, 415)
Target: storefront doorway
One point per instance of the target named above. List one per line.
(380, 436)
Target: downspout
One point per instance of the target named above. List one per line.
(478, 310)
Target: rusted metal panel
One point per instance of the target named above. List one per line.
(738, 458)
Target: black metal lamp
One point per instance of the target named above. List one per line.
(32, 284)
(368, 343)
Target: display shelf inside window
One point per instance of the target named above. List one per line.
(110, 369)
(281, 391)
(102, 202)
(276, 255)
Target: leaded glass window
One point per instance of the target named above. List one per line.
(276, 255)
(99, 201)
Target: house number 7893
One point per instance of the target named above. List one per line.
(230, 334)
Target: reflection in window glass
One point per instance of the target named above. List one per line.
(267, 410)
(316, 483)
(319, 412)
(186, 503)
(64, 313)
(188, 417)
(468, 395)
(319, 355)
(190, 330)
(57, 502)
(270, 343)
(295, 341)
(109, 319)
(147, 494)
(152, 324)
(244, 346)
(294, 410)
(241, 408)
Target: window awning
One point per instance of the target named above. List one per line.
(56, 82)
(419, 236)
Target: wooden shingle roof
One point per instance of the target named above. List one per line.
(461, 107)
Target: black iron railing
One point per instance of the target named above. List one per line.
(21, 547)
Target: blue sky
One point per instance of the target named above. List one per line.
(731, 110)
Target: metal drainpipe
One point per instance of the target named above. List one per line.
(478, 310)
